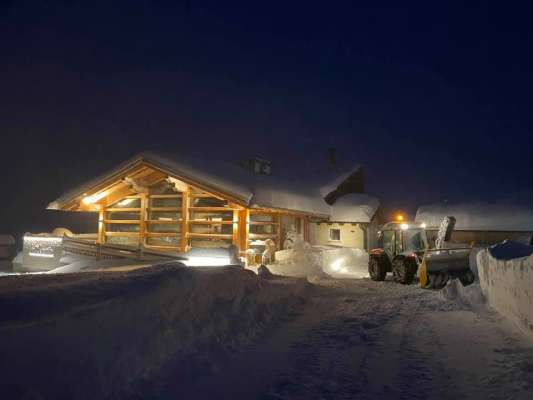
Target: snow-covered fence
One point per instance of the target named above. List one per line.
(508, 287)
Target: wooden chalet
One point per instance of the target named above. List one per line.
(167, 203)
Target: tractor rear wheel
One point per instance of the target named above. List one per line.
(376, 269)
(403, 271)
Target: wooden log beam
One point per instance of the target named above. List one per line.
(142, 222)
(244, 229)
(185, 220)
(101, 226)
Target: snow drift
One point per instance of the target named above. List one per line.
(105, 335)
(508, 286)
(304, 260)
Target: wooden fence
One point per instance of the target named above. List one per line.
(107, 251)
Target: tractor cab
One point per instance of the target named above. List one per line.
(399, 246)
(402, 239)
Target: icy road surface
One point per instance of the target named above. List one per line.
(361, 339)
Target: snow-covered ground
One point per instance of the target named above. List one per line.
(98, 335)
(359, 339)
(224, 333)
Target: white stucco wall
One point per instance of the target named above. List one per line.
(352, 235)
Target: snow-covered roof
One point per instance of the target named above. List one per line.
(329, 179)
(354, 207)
(478, 216)
(303, 194)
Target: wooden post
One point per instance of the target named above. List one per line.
(306, 229)
(101, 225)
(235, 231)
(184, 219)
(243, 229)
(142, 221)
(279, 245)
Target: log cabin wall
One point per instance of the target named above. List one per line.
(179, 217)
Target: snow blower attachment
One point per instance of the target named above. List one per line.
(404, 250)
(442, 263)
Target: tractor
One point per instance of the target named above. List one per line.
(404, 249)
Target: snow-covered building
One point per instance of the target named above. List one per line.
(353, 222)
(176, 203)
(481, 223)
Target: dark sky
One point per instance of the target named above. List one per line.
(433, 99)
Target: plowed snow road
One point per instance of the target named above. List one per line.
(359, 339)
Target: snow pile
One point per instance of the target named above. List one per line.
(354, 208)
(110, 334)
(299, 261)
(478, 216)
(304, 260)
(343, 262)
(469, 295)
(508, 286)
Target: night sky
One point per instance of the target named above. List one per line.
(434, 100)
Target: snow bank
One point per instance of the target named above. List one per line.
(309, 261)
(508, 287)
(478, 216)
(108, 335)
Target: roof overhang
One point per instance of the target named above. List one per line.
(111, 185)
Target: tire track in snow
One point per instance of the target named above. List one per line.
(335, 360)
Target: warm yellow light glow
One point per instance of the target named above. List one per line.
(337, 264)
(48, 239)
(94, 198)
(206, 261)
(125, 202)
(399, 217)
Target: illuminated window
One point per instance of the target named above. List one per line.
(335, 234)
